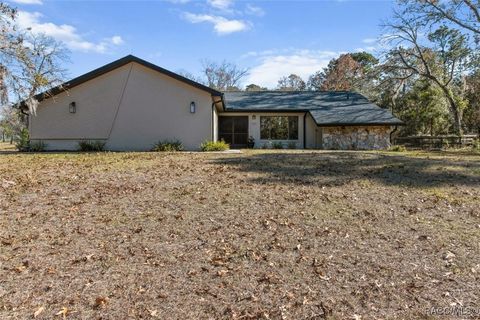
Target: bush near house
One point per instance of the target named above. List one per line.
(87, 145)
(476, 145)
(37, 146)
(214, 146)
(23, 142)
(397, 148)
(277, 145)
(168, 146)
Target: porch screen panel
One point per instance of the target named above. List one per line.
(240, 131)
(225, 129)
(233, 130)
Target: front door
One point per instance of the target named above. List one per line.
(233, 130)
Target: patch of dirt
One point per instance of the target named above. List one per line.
(257, 235)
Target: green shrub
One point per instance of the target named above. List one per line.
(397, 148)
(267, 145)
(476, 145)
(23, 141)
(446, 145)
(87, 145)
(37, 146)
(24, 144)
(277, 145)
(292, 145)
(214, 146)
(168, 146)
(251, 142)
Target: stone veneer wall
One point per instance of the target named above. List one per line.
(356, 138)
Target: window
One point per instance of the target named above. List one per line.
(278, 128)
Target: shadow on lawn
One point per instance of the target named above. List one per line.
(338, 168)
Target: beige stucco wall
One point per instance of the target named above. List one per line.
(131, 108)
(155, 107)
(356, 138)
(254, 126)
(96, 102)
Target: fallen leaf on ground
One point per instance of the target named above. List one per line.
(100, 302)
(63, 312)
(39, 310)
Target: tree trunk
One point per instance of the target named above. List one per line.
(454, 110)
(457, 117)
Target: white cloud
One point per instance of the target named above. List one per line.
(221, 25)
(376, 45)
(220, 4)
(117, 40)
(254, 10)
(366, 49)
(65, 33)
(260, 53)
(301, 62)
(370, 40)
(28, 1)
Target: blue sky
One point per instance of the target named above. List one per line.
(271, 38)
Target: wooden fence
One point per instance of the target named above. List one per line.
(435, 142)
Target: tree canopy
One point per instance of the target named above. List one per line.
(29, 63)
(291, 83)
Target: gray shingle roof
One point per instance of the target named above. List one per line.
(326, 108)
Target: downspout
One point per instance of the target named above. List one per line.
(27, 118)
(213, 113)
(391, 133)
(304, 131)
(213, 120)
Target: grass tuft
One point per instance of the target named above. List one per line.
(397, 148)
(168, 146)
(87, 145)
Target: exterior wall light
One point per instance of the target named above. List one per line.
(72, 107)
(192, 107)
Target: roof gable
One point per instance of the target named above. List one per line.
(117, 64)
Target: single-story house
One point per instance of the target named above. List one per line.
(130, 104)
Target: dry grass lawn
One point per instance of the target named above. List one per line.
(258, 235)
(4, 146)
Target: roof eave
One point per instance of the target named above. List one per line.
(362, 124)
(268, 110)
(331, 124)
